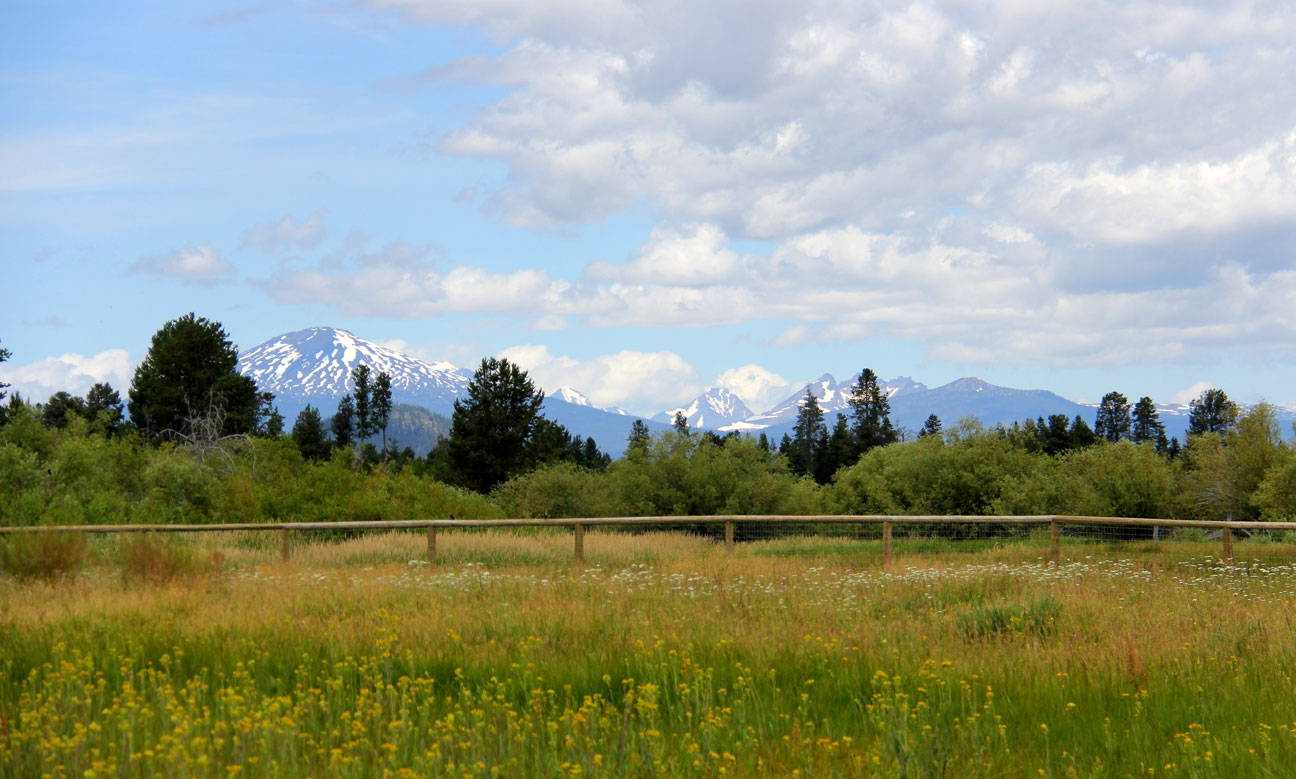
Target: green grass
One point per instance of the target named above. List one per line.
(661, 655)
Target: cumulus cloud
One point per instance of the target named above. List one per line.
(631, 379)
(759, 388)
(770, 120)
(1054, 183)
(74, 373)
(287, 235)
(192, 264)
(1191, 393)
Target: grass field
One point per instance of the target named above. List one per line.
(661, 655)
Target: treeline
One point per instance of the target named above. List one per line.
(214, 450)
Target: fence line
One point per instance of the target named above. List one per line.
(580, 524)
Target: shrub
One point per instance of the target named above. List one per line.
(28, 556)
(146, 556)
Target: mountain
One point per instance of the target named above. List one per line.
(971, 397)
(417, 428)
(715, 408)
(611, 430)
(313, 366)
(833, 397)
(912, 402)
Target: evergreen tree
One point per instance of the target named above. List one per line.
(871, 413)
(639, 437)
(188, 372)
(1056, 434)
(308, 434)
(382, 407)
(492, 426)
(5, 354)
(1211, 412)
(1146, 426)
(1081, 435)
(808, 435)
(931, 427)
(1113, 420)
(838, 450)
(764, 443)
(680, 423)
(104, 407)
(274, 424)
(362, 397)
(57, 411)
(344, 423)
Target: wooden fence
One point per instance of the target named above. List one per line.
(579, 525)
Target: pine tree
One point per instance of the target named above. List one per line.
(61, 408)
(1113, 420)
(308, 434)
(1146, 426)
(104, 407)
(637, 442)
(382, 407)
(189, 372)
(680, 423)
(870, 413)
(1081, 435)
(1211, 412)
(362, 396)
(5, 354)
(344, 423)
(807, 435)
(491, 429)
(931, 427)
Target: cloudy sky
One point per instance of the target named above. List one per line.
(644, 199)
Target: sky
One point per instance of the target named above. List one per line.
(644, 199)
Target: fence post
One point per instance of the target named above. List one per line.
(431, 539)
(886, 544)
(579, 533)
(729, 546)
(1228, 544)
(283, 544)
(1055, 541)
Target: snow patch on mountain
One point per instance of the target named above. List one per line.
(314, 365)
(713, 409)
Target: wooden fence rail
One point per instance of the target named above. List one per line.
(579, 525)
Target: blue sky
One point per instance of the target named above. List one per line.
(643, 199)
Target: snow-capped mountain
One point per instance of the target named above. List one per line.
(314, 366)
(833, 397)
(715, 408)
(569, 395)
(912, 402)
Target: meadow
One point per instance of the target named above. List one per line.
(659, 656)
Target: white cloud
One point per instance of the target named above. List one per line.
(634, 380)
(193, 264)
(1153, 202)
(698, 256)
(74, 373)
(1191, 393)
(759, 388)
(286, 235)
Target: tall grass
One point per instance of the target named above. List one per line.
(661, 656)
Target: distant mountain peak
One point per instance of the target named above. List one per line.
(569, 395)
(715, 408)
(314, 365)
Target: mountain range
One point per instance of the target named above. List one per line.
(313, 366)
